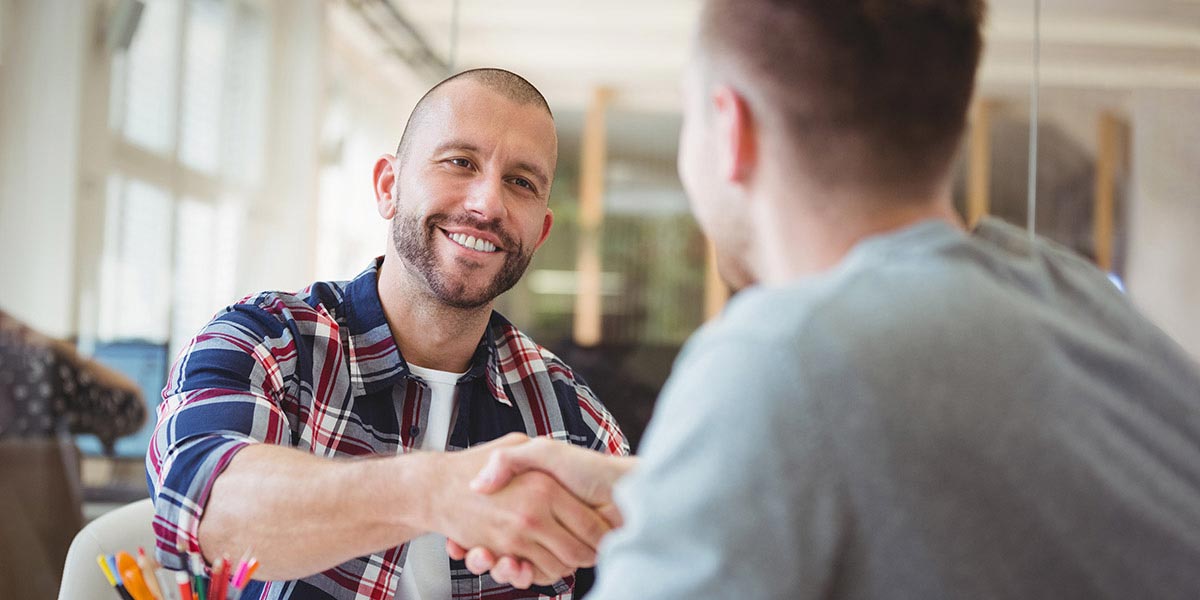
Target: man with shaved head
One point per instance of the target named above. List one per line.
(332, 432)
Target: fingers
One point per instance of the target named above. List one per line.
(583, 522)
(480, 560)
(517, 573)
(455, 550)
(547, 567)
(563, 525)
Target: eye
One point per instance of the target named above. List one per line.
(521, 181)
(461, 162)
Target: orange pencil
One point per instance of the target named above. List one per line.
(240, 572)
(131, 576)
(250, 569)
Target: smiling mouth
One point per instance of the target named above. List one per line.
(471, 242)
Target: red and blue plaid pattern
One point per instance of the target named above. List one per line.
(319, 371)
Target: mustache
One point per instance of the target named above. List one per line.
(508, 241)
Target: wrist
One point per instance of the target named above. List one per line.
(413, 491)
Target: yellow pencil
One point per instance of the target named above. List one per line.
(104, 567)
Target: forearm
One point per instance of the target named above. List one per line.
(303, 514)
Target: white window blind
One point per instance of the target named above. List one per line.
(145, 105)
(245, 100)
(204, 59)
(205, 256)
(135, 297)
(189, 115)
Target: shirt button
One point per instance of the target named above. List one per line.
(414, 431)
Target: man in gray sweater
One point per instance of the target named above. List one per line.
(893, 406)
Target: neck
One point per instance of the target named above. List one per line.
(800, 241)
(427, 332)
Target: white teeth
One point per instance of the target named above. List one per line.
(472, 242)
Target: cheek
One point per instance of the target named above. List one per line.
(530, 221)
(696, 175)
(692, 159)
(432, 189)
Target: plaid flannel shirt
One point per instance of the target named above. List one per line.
(320, 371)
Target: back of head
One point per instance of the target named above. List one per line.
(860, 93)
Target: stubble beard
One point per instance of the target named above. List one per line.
(414, 242)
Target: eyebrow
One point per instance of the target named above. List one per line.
(536, 171)
(456, 145)
(465, 146)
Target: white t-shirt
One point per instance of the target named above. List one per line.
(426, 574)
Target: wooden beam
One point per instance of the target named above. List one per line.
(588, 308)
(1108, 140)
(716, 293)
(979, 161)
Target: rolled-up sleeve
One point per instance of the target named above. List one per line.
(226, 390)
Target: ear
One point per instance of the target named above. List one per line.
(384, 177)
(547, 222)
(736, 137)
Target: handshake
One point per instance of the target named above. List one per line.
(529, 511)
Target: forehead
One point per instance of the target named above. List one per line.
(472, 112)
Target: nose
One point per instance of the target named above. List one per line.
(486, 199)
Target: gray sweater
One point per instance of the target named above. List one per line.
(944, 415)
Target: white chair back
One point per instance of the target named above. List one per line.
(125, 528)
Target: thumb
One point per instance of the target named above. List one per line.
(609, 512)
(538, 454)
(494, 475)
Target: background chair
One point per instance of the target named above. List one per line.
(125, 528)
(39, 513)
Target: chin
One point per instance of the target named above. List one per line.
(452, 291)
(459, 298)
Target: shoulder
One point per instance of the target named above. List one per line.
(587, 421)
(788, 353)
(316, 309)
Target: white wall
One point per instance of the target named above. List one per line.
(369, 99)
(1164, 244)
(280, 230)
(44, 55)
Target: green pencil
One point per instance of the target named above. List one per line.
(200, 582)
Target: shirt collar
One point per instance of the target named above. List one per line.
(376, 364)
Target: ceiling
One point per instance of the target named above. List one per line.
(1094, 53)
(638, 47)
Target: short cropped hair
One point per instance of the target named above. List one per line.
(868, 92)
(506, 83)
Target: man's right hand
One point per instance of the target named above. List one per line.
(531, 515)
(587, 474)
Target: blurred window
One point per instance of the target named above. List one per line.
(188, 116)
(144, 80)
